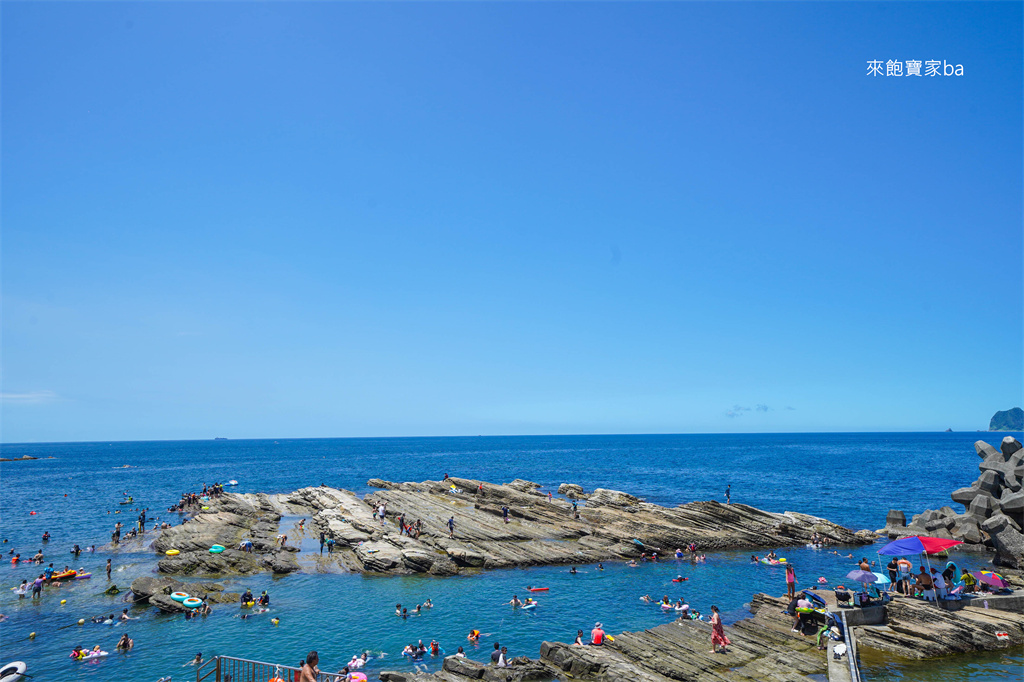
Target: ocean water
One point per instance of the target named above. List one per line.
(852, 479)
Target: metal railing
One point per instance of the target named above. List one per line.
(851, 652)
(231, 669)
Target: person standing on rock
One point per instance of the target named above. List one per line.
(322, 542)
(108, 569)
(330, 545)
(728, 493)
(451, 527)
(790, 581)
(718, 638)
(504, 514)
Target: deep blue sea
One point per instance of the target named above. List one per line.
(852, 479)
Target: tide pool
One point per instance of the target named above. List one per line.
(342, 614)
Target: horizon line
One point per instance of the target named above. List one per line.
(492, 435)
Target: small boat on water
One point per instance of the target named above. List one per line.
(232, 482)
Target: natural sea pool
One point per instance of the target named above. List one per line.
(341, 614)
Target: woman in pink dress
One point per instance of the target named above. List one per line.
(718, 638)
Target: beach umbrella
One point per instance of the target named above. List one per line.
(918, 544)
(860, 576)
(990, 578)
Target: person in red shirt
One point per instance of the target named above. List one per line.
(597, 635)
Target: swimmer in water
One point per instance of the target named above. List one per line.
(474, 636)
(632, 563)
(198, 660)
(427, 604)
(600, 566)
(572, 570)
(515, 601)
(398, 609)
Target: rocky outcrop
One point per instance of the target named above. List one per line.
(542, 529)
(917, 629)
(572, 491)
(994, 505)
(156, 591)
(228, 520)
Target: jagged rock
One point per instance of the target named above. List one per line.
(918, 630)
(524, 486)
(990, 482)
(982, 507)
(985, 450)
(966, 495)
(611, 498)
(165, 603)
(466, 557)
(1007, 539)
(418, 560)
(463, 667)
(444, 566)
(967, 529)
(379, 483)
(1011, 502)
(896, 518)
(1009, 446)
(379, 556)
(572, 491)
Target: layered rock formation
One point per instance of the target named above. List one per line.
(229, 519)
(156, 591)
(763, 648)
(542, 530)
(994, 508)
(917, 629)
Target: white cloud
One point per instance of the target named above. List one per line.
(29, 397)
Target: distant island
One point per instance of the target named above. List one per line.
(1008, 420)
(220, 438)
(17, 459)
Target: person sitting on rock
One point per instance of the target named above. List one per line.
(923, 582)
(970, 584)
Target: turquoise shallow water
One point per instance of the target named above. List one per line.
(340, 614)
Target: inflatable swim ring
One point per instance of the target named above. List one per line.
(180, 596)
(13, 671)
(192, 602)
(529, 606)
(172, 552)
(93, 654)
(216, 549)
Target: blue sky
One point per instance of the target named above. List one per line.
(346, 219)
